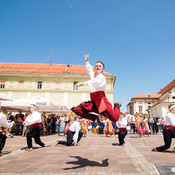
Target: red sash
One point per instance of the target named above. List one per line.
(98, 97)
(36, 124)
(70, 131)
(122, 129)
(169, 127)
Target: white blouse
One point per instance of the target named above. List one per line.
(75, 127)
(97, 83)
(170, 119)
(122, 123)
(4, 123)
(34, 117)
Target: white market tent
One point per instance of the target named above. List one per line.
(4, 97)
(42, 104)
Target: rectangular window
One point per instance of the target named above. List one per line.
(2, 84)
(21, 84)
(140, 109)
(39, 85)
(74, 87)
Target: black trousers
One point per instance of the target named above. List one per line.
(167, 135)
(121, 136)
(70, 138)
(53, 128)
(35, 133)
(2, 141)
(154, 128)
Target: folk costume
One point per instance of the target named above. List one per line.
(74, 134)
(34, 119)
(122, 125)
(138, 126)
(168, 132)
(109, 130)
(99, 103)
(5, 124)
(145, 127)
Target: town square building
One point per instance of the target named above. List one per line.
(55, 82)
(153, 104)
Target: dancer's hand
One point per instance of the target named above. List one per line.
(26, 123)
(86, 57)
(79, 84)
(75, 143)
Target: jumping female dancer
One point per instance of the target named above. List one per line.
(99, 103)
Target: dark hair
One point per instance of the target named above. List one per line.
(101, 63)
(33, 105)
(170, 106)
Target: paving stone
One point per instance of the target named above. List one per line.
(97, 154)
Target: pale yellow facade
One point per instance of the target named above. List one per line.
(140, 105)
(56, 87)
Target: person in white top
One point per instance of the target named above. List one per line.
(168, 131)
(74, 134)
(33, 119)
(4, 123)
(122, 125)
(99, 103)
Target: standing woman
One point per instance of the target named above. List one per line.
(99, 103)
(138, 124)
(162, 124)
(62, 124)
(33, 119)
(109, 130)
(145, 126)
(49, 121)
(168, 131)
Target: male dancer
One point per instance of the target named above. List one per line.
(5, 124)
(99, 103)
(122, 125)
(33, 119)
(168, 131)
(74, 134)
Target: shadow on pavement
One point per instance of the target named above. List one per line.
(6, 152)
(26, 148)
(84, 162)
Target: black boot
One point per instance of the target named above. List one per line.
(72, 109)
(117, 104)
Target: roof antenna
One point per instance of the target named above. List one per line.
(51, 55)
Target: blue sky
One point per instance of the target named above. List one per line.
(134, 38)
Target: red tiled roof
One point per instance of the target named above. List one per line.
(43, 68)
(167, 88)
(147, 96)
(158, 102)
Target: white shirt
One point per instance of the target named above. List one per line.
(75, 127)
(123, 123)
(145, 120)
(33, 118)
(170, 119)
(4, 123)
(97, 83)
